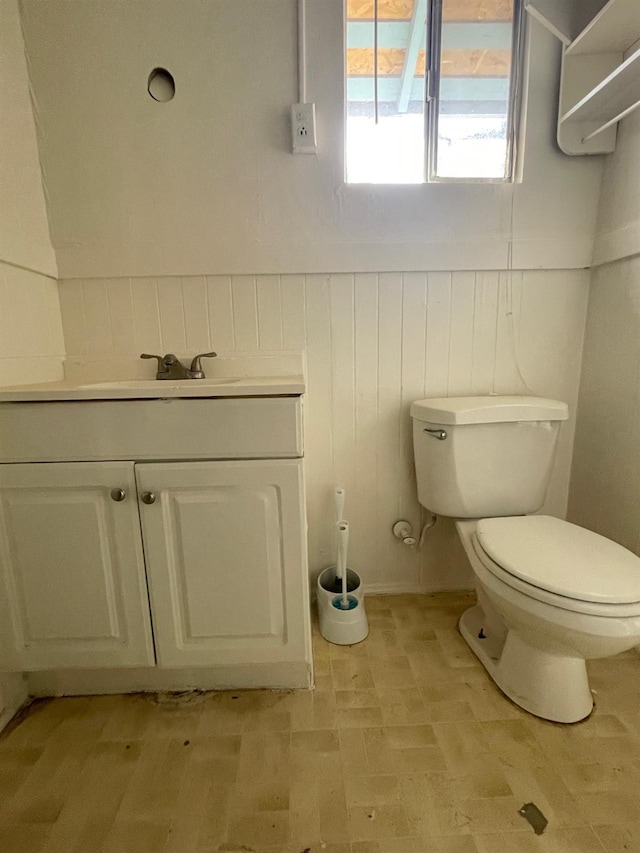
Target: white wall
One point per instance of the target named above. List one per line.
(31, 340)
(206, 184)
(373, 344)
(13, 693)
(31, 343)
(618, 223)
(605, 482)
(24, 232)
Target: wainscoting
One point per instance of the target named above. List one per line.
(373, 343)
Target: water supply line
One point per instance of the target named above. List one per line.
(425, 528)
(403, 530)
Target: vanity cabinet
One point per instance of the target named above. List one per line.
(175, 563)
(224, 555)
(73, 591)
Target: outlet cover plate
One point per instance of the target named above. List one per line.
(303, 129)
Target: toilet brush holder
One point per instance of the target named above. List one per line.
(344, 627)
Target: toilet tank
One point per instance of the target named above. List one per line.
(478, 457)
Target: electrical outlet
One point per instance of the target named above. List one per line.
(303, 128)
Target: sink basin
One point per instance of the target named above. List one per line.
(156, 384)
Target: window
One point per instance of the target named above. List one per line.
(432, 90)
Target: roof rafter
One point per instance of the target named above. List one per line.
(416, 36)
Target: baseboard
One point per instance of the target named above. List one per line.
(412, 588)
(87, 682)
(14, 697)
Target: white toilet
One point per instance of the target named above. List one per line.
(551, 595)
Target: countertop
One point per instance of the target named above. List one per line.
(146, 389)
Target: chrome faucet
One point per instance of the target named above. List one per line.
(170, 366)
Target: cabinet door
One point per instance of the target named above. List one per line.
(225, 561)
(72, 581)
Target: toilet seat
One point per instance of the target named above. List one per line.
(561, 564)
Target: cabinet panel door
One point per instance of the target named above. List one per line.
(225, 561)
(73, 586)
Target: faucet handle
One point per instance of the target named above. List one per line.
(196, 370)
(159, 357)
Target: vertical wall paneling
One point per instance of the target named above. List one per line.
(123, 333)
(507, 369)
(485, 320)
(293, 314)
(373, 343)
(220, 299)
(366, 419)
(269, 307)
(74, 322)
(146, 314)
(31, 333)
(98, 317)
(196, 314)
(172, 321)
(414, 341)
(318, 425)
(245, 311)
(390, 418)
(463, 289)
(438, 335)
(343, 380)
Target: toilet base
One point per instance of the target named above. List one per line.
(547, 685)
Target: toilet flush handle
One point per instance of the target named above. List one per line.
(441, 434)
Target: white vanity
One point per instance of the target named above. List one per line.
(157, 527)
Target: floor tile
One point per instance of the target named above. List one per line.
(405, 746)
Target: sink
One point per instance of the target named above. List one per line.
(157, 389)
(155, 384)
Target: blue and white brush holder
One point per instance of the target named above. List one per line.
(337, 625)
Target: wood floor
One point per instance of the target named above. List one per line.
(404, 747)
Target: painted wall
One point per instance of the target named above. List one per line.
(206, 183)
(31, 340)
(605, 482)
(203, 187)
(618, 222)
(31, 343)
(373, 344)
(24, 232)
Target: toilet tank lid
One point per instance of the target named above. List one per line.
(488, 410)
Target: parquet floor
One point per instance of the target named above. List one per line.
(404, 747)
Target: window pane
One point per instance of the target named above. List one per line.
(474, 91)
(391, 148)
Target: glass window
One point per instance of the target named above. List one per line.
(432, 89)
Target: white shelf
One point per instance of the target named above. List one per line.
(613, 30)
(615, 95)
(599, 87)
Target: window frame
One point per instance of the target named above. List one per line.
(432, 80)
(431, 114)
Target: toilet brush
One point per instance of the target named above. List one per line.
(343, 543)
(339, 498)
(334, 580)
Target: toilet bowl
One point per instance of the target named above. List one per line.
(551, 596)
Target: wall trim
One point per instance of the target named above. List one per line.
(14, 697)
(5, 262)
(87, 682)
(616, 245)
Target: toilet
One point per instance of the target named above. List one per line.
(551, 595)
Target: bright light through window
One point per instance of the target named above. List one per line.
(430, 89)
